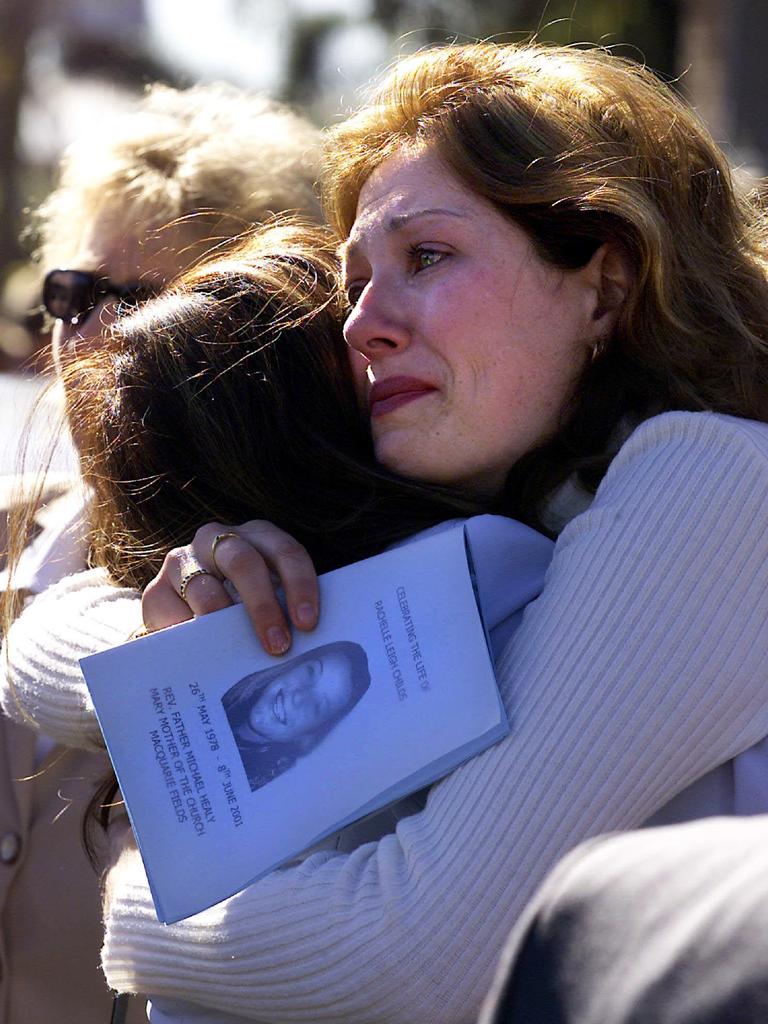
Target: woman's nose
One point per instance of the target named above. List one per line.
(377, 324)
(83, 338)
(301, 694)
(298, 697)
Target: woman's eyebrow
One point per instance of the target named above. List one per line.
(396, 223)
(399, 221)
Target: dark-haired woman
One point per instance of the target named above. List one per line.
(558, 291)
(247, 345)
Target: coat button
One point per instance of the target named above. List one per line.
(10, 847)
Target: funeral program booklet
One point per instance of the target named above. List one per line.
(233, 762)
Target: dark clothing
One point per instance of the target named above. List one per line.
(661, 926)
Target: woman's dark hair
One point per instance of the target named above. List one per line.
(230, 398)
(264, 760)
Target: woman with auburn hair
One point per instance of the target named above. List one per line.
(563, 303)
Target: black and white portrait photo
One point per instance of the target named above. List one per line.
(281, 713)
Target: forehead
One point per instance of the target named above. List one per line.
(407, 185)
(336, 677)
(108, 245)
(335, 661)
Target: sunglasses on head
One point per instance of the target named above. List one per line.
(71, 295)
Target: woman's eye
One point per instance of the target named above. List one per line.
(424, 258)
(354, 291)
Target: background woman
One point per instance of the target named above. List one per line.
(136, 202)
(544, 250)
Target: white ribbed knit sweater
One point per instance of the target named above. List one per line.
(642, 666)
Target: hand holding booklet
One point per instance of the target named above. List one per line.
(233, 762)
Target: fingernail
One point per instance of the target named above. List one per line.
(278, 640)
(305, 613)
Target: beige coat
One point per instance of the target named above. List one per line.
(51, 934)
(50, 905)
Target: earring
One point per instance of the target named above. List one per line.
(597, 350)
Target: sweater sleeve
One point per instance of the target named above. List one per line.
(42, 684)
(640, 668)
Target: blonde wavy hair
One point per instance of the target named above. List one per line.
(218, 158)
(580, 147)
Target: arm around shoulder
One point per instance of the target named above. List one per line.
(638, 669)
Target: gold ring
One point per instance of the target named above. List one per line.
(187, 578)
(216, 541)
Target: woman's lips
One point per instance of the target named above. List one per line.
(387, 395)
(278, 707)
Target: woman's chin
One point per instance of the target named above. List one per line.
(424, 462)
(410, 460)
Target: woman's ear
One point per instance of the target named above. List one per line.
(611, 276)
